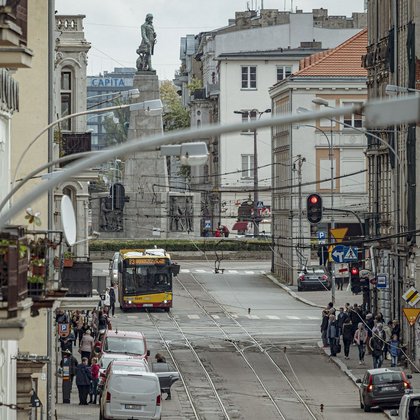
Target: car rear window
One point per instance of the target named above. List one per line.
(124, 345)
(315, 270)
(125, 382)
(386, 378)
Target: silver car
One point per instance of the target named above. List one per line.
(314, 277)
(113, 268)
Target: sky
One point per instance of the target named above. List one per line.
(113, 27)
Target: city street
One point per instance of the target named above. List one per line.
(245, 349)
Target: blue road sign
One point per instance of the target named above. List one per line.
(382, 281)
(338, 253)
(345, 254)
(321, 235)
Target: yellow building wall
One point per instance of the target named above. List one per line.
(33, 108)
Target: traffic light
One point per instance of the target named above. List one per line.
(355, 279)
(314, 208)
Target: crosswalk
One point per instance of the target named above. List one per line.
(237, 316)
(208, 271)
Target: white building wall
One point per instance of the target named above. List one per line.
(4, 153)
(8, 349)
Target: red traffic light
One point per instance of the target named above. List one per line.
(313, 199)
(314, 208)
(354, 271)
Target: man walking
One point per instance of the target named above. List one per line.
(83, 378)
(112, 299)
(377, 348)
(333, 335)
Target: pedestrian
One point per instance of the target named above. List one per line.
(86, 345)
(83, 378)
(161, 359)
(94, 371)
(330, 308)
(339, 281)
(225, 231)
(94, 323)
(395, 328)
(80, 321)
(66, 343)
(370, 323)
(394, 350)
(376, 344)
(107, 299)
(347, 308)
(388, 336)
(217, 233)
(112, 299)
(61, 317)
(324, 327)
(68, 366)
(341, 318)
(361, 337)
(347, 337)
(333, 334)
(355, 316)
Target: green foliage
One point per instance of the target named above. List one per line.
(175, 116)
(117, 131)
(195, 85)
(35, 279)
(181, 245)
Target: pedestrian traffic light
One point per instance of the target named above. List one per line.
(355, 279)
(314, 208)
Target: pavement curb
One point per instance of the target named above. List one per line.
(292, 293)
(346, 370)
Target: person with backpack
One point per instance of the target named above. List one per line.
(394, 350)
(377, 344)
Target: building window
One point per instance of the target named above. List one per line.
(66, 106)
(249, 77)
(248, 116)
(283, 72)
(354, 120)
(247, 166)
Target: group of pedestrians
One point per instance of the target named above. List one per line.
(83, 331)
(369, 333)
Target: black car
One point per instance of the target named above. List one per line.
(382, 388)
(314, 277)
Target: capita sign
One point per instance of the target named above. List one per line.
(111, 82)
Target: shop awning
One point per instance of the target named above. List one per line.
(241, 226)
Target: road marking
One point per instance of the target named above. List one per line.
(201, 271)
(194, 316)
(253, 316)
(249, 272)
(215, 316)
(215, 346)
(233, 271)
(185, 270)
(272, 317)
(234, 316)
(292, 317)
(132, 316)
(313, 317)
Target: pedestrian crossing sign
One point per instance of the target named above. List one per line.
(351, 255)
(411, 296)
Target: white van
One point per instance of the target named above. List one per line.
(131, 393)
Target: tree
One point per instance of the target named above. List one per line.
(116, 126)
(175, 115)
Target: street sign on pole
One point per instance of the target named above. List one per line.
(411, 314)
(337, 254)
(382, 281)
(343, 254)
(339, 233)
(351, 254)
(411, 296)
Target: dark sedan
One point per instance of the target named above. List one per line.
(382, 388)
(314, 277)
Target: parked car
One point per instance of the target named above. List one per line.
(314, 277)
(382, 387)
(130, 393)
(125, 342)
(409, 407)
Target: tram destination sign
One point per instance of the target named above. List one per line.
(147, 261)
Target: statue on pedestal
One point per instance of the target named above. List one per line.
(147, 46)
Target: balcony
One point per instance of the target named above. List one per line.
(72, 143)
(13, 35)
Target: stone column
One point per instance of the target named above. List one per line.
(145, 177)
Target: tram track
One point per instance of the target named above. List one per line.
(212, 306)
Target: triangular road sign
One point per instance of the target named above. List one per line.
(350, 255)
(339, 233)
(411, 314)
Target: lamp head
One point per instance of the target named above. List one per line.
(320, 101)
(302, 110)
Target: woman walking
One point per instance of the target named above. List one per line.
(94, 370)
(361, 338)
(347, 337)
(87, 345)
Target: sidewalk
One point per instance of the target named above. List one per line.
(350, 367)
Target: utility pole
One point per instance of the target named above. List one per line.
(299, 160)
(256, 227)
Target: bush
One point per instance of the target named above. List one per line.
(181, 245)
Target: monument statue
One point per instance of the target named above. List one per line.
(146, 48)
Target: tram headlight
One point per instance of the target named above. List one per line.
(165, 301)
(129, 302)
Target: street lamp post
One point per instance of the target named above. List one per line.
(248, 114)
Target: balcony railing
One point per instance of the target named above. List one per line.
(72, 143)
